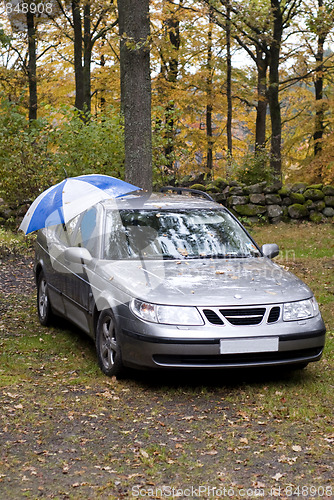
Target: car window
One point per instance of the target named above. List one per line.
(86, 234)
(81, 231)
(65, 232)
(178, 234)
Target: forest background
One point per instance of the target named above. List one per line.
(240, 90)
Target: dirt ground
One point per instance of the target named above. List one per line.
(175, 435)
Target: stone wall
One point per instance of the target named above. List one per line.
(274, 203)
(271, 203)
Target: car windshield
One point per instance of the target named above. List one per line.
(171, 234)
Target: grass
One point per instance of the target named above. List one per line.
(67, 431)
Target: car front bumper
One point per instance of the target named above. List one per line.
(163, 346)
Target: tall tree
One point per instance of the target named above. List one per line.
(209, 98)
(84, 23)
(134, 28)
(31, 30)
(322, 25)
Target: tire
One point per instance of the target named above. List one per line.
(107, 345)
(44, 309)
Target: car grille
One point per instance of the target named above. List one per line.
(274, 314)
(241, 316)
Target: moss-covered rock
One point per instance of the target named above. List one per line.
(329, 201)
(284, 191)
(315, 186)
(201, 187)
(297, 198)
(318, 206)
(297, 211)
(298, 187)
(328, 190)
(317, 217)
(220, 183)
(314, 194)
(249, 209)
(212, 188)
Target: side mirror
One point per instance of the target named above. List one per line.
(270, 250)
(78, 255)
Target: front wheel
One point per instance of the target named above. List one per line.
(43, 302)
(107, 345)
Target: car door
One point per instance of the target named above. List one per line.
(78, 297)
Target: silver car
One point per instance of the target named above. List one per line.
(174, 281)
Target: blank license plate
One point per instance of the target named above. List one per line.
(236, 346)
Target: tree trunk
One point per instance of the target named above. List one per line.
(261, 110)
(209, 106)
(273, 97)
(173, 31)
(229, 81)
(32, 67)
(78, 69)
(134, 26)
(87, 60)
(318, 85)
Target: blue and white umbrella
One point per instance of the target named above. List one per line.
(62, 202)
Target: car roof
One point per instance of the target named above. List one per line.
(159, 201)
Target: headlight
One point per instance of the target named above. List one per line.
(168, 315)
(302, 309)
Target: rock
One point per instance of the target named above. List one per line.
(328, 212)
(284, 191)
(329, 201)
(328, 190)
(317, 217)
(276, 220)
(298, 187)
(287, 201)
(297, 198)
(249, 209)
(201, 187)
(316, 186)
(273, 188)
(257, 199)
(273, 199)
(274, 211)
(219, 198)
(313, 194)
(297, 211)
(220, 183)
(255, 188)
(212, 188)
(237, 200)
(237, 190)
(318, 206)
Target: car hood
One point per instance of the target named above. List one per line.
(213, 282)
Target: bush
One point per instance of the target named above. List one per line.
(93, 147)
(39, 154)
(26, 158)
(255, 168)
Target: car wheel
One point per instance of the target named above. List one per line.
(43, 302)
(107, 345)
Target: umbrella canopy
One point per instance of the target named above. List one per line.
(62, 202)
